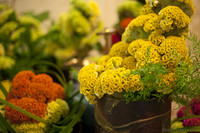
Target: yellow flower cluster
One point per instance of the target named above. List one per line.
(111, 81)
(173, 18)
(167, 83)
(186, 5)
(156, 36)
(129, 63)
(114, 63)
(147, 54)
(87, 78)
(119, 49)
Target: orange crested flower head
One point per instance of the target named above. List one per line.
(40, 87)
(29, 104)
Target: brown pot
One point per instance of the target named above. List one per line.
(113, 115)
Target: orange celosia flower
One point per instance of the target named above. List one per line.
(29, 104)
(43, 78)
(27, 74)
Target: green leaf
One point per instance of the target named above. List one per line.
(23, 111)
(2, 88)
(186, 129)
(6, 125)
(43, 16)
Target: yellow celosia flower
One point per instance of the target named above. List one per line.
(135, 29)
(87, 77)
(173, 44)
(173, 18)
(129, 62)
(103, 60)
(119, 49)
(30, 128)
(167, 81)
(135, 45)
(146, 9)
(186, 5)
(156, 37)
(56, 110)
(114, 63)
(152, 24)
(147, 54)
(2, 51)
(173, 49)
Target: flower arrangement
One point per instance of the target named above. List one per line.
(75, 31)
(151, 61)
(37, 104)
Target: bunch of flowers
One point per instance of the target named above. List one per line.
(37, 104)
(75, 31)
(151, 60)
(39, 95)
(187, 116)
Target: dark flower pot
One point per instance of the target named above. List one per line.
(113, 115)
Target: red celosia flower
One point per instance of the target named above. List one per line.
(183, 112)
(17, 93)
(29, 104)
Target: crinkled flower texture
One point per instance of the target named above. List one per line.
(39, 95)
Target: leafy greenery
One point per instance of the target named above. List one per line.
(187, 78)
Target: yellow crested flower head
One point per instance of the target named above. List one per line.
(135, 29)
(173, 18)
(119, 49)
(186, 5)
(104, 59)
(147, 53)
(173, 44)
(114, 63)
(168, 82)
(156, 37)
(129, 62)
(87, 77)
(146, 9)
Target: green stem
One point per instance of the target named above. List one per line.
(2, 88)
(23, 111)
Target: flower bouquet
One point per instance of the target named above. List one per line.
(35, 103)
(133, 85)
